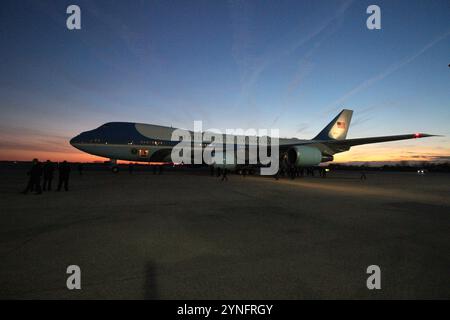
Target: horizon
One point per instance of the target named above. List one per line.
(374, 164)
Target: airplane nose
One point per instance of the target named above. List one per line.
(74, 140)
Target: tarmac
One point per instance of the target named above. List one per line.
(187, 235)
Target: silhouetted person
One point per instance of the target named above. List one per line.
(363, 176)
(161, 168)
(64, 173)
(35, 173)
(49, 168)
(130, 168)
(212, 171)
(80, 169)
(292, 172)
(224, 174)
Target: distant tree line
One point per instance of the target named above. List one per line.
(402, 166)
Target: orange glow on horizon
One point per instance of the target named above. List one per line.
(58, 149)
(380, 153)
(25, 155)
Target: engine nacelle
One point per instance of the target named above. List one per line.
(304, 156)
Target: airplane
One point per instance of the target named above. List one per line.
(152, 143)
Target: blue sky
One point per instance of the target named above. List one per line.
(290, 65)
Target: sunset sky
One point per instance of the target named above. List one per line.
(291, 65)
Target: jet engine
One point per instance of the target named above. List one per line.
(304, 156)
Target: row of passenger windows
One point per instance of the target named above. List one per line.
(143, 142)
(161, 143)
(148, 142)
(152, 142)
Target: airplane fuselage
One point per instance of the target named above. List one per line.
(141, 142)
(154, 143)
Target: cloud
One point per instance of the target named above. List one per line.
(252, 64)
(431, 158)
(15, 131)
(35, 146)
(13, 138)
(369, 82)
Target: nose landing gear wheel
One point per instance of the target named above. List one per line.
(115, 169)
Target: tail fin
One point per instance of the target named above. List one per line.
(337, 129)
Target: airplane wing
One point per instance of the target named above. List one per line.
(343, 145)
(336, 146)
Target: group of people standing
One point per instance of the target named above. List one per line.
(291, 172)
(46, 171)
(295, 172)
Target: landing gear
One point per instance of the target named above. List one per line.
(114, 166)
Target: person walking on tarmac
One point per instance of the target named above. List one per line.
(49, 167)
(35, 173)
(224, 174)
(64, 173)
(363, 176)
